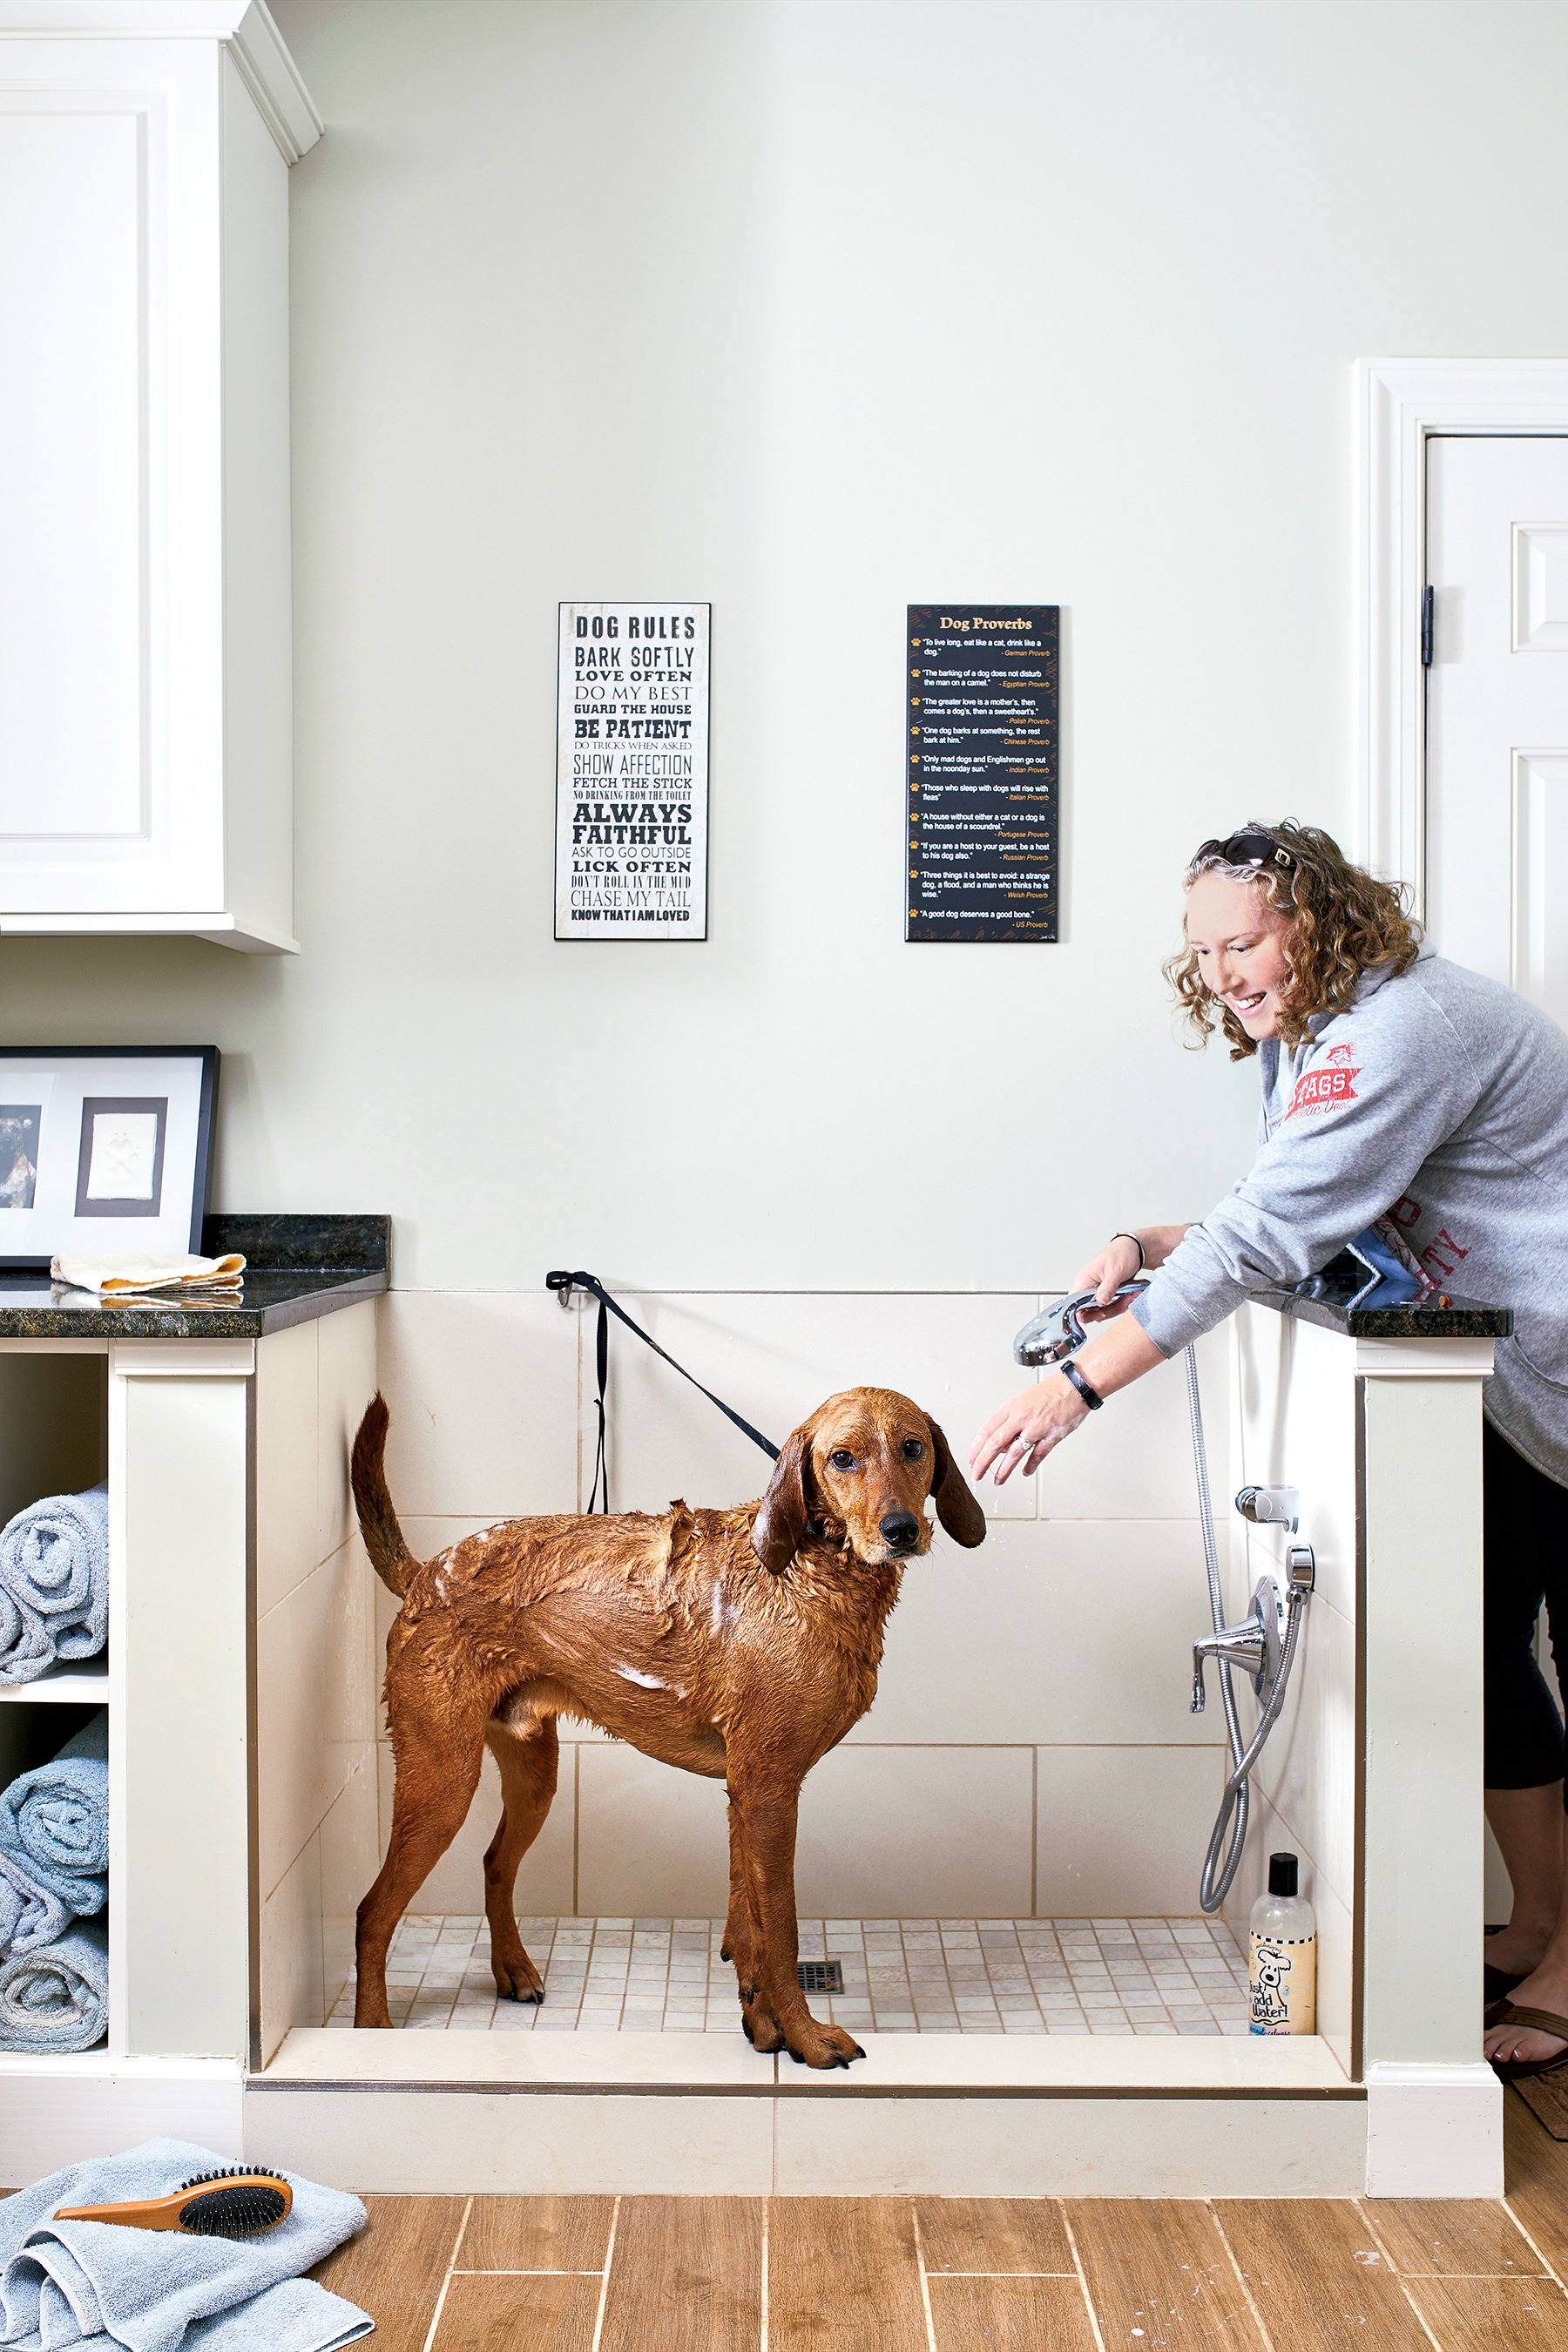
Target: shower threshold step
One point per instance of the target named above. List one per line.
(338, 2058)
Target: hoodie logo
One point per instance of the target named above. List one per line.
(1327, 1086)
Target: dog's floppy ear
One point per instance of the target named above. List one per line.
(956, 1507)
(781, 1513)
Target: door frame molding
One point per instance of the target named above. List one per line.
(1399, 405)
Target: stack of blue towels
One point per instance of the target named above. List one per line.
(54, 1584)
(54, 1881)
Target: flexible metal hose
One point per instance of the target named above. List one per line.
(1223, 1859)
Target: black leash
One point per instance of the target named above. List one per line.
(565, 1284)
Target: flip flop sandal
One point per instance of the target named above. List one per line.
(1544, 2020)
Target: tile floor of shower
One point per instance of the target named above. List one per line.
(901, 1976)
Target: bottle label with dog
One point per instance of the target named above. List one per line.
(1283, 1984)
(1282, 1974)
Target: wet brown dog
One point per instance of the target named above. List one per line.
(740, 1644)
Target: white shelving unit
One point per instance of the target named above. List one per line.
(86, 1685)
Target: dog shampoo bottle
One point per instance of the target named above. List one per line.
(1283, 1967)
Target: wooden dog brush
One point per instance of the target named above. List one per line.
(239, 2203)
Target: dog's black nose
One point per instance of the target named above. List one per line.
(900, 1529)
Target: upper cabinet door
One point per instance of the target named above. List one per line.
(145, 728)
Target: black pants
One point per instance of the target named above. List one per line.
(1526, 1552)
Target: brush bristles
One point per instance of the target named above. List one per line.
(234, 2204)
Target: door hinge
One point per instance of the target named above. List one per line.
(1428, 617)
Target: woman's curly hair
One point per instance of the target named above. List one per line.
(1343, 922)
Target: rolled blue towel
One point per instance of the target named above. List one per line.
(54, 1568)
(58, 1998)
(26, 1649)
(30, 1913)
(54, 1821)
(65, 2284)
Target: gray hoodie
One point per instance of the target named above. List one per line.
(1435, 1109)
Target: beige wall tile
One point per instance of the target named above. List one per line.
(545, 1883)
(1060, 1630)
(650, 1840)
(315, 1702)
(1123, 1831)
(346, 1383)
(288, 1544)
(482, 1387)
(916, 1832)
(1135, 1459)
(351, 1856)
(291, 1981)
(1297, 1389)
(1307, 1769)
(775, 1356)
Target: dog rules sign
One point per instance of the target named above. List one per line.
(631, 773)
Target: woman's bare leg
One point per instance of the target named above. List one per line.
(1527, 1824)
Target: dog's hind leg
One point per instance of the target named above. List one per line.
(528, 1761)
(739, 1945)
(438, 1764)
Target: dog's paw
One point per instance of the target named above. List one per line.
(760, 2032)
(517, 1980)
(824, 2047)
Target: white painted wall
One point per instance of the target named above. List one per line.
(810, 309)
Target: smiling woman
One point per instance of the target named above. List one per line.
(1420, 1111)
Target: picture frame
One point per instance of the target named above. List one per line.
(103, 1149)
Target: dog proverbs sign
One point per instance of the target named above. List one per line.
(631, 773)
(981, 771)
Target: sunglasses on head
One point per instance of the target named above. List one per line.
(1246, 849)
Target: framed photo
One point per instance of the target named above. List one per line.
(103, 1149)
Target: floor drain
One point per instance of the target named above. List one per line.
(820, 1976)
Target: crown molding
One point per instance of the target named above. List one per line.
(244, 28)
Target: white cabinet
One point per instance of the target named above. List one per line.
(145, 698)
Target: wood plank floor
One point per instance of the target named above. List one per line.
(971, 2274)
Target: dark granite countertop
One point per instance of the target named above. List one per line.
(297, 1268)
(1326, 1299)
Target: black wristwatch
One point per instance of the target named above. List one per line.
(1091, 1397)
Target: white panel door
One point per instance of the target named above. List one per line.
(111, 754)
(1497, 710)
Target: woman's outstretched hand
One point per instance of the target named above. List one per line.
(1020, 1437)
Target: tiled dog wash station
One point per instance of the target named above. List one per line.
(508, 307)
(1002, 1856)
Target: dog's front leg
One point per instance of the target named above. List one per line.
(767, 1809)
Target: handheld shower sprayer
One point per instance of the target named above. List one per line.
(1263, 1644)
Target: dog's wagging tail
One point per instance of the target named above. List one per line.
(389, 1554)
(739, 1645)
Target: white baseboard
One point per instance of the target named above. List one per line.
(1433, 2131)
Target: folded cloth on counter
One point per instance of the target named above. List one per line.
(30, 1915)
(53, 1572)
(57, 1997)
(95, 2283)
(143, 1270)
(54, 1821)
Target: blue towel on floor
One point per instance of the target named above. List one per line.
(54, 1822)
(94, 2284)
(54, 1573)
(56, 1999)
